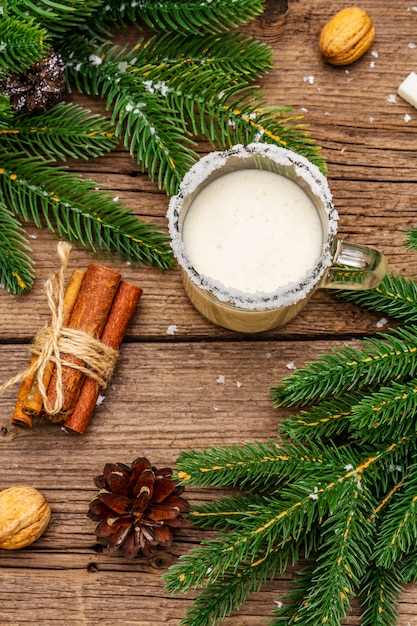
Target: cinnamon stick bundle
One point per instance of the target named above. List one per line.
(89, 315)
(123, 307)
(29, 400)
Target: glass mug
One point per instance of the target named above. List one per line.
(253, 229)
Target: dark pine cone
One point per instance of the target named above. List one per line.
(38, 88)
(137, 508)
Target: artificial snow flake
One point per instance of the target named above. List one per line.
(95, 59)
(171, 330)
(407, 118)
(309, 79)
(220, 379)
(382, 322)
(392, 97)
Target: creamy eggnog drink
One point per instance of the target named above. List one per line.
(253, 231)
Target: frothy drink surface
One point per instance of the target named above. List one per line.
(253, 230)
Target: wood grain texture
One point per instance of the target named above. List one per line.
(181, 382)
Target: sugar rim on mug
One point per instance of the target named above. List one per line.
(303, 169)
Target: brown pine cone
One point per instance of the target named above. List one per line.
(137, 508)
(38, 88)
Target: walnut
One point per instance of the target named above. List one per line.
(24, 516)
(346, 36)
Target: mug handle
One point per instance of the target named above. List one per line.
(355, 267)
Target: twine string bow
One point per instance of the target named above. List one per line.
(54, 341)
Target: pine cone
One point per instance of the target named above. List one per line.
(38, 88)
(137, 508)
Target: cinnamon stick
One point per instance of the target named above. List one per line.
(29, 400)
(123, 307)
(89, 315)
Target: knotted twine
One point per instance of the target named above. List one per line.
(55, 340)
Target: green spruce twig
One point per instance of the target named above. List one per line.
(340, 493)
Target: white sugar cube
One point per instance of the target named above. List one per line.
(408, 89)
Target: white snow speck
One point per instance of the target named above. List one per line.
(220, 380)
(392, 97)
(349, 467)
(95, 60)
(372, 64)
(412, 45)
(407, 118)
(279, 603)
(382, 322)
(291, 366)
(303, 109)
(171, 329)
(239, 384)
(375, 54)
(309, 80)
(100, 399)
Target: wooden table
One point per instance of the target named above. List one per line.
(167, 394)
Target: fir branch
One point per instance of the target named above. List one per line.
(387, 414)
(23, 43)
(257, 465)
(342, 561)
(71, 207)
(16, 271)
(380, 590)
(58, 16)
(64, 131)
(389, 357)
(187, 16)
(395, 296)
(327, 420)
(221, 598)
(398, 531)
(158, 108)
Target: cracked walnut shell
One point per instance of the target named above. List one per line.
(346, 36)
(24, 516)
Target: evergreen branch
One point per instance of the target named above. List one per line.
(343, 559)
(16, 272)
(71, 207)
(380, 590)
(222, 514)
(285, 613)
(65, 130)
(159, 105)
(187, 16)
(57, 16)
(23, 43)
(407, 568)
(330, 419)
(249, 465)
(275, 522)
(386, 414)
(220, 599)
(6, 113)
(398, 530)
(395, 296)
(379, 360)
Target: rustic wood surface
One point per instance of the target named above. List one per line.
(165, 395)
